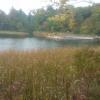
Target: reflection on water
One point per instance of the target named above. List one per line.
(37, 43)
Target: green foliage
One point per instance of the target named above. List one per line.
(83, 20)
(82, 14)
(57, 22)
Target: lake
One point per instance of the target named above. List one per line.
(40, 43)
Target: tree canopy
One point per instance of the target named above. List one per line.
(80, 20)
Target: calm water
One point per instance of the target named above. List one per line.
(38, 43)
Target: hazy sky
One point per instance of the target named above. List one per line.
(27, 5)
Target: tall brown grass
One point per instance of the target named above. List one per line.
(55, 74)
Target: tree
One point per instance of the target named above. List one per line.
(57, 23)
(82, 13)
(92, 23)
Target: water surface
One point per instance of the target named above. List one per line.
(38, 43)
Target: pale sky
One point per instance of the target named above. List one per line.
(27, 5)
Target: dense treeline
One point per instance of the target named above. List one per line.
(81, 20)
(15, 20)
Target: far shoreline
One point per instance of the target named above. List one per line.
(13, 34)
(65, 36)
(48, 35)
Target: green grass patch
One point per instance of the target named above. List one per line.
(13, 34)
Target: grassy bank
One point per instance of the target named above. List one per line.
(55, 74)
(13, 34)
